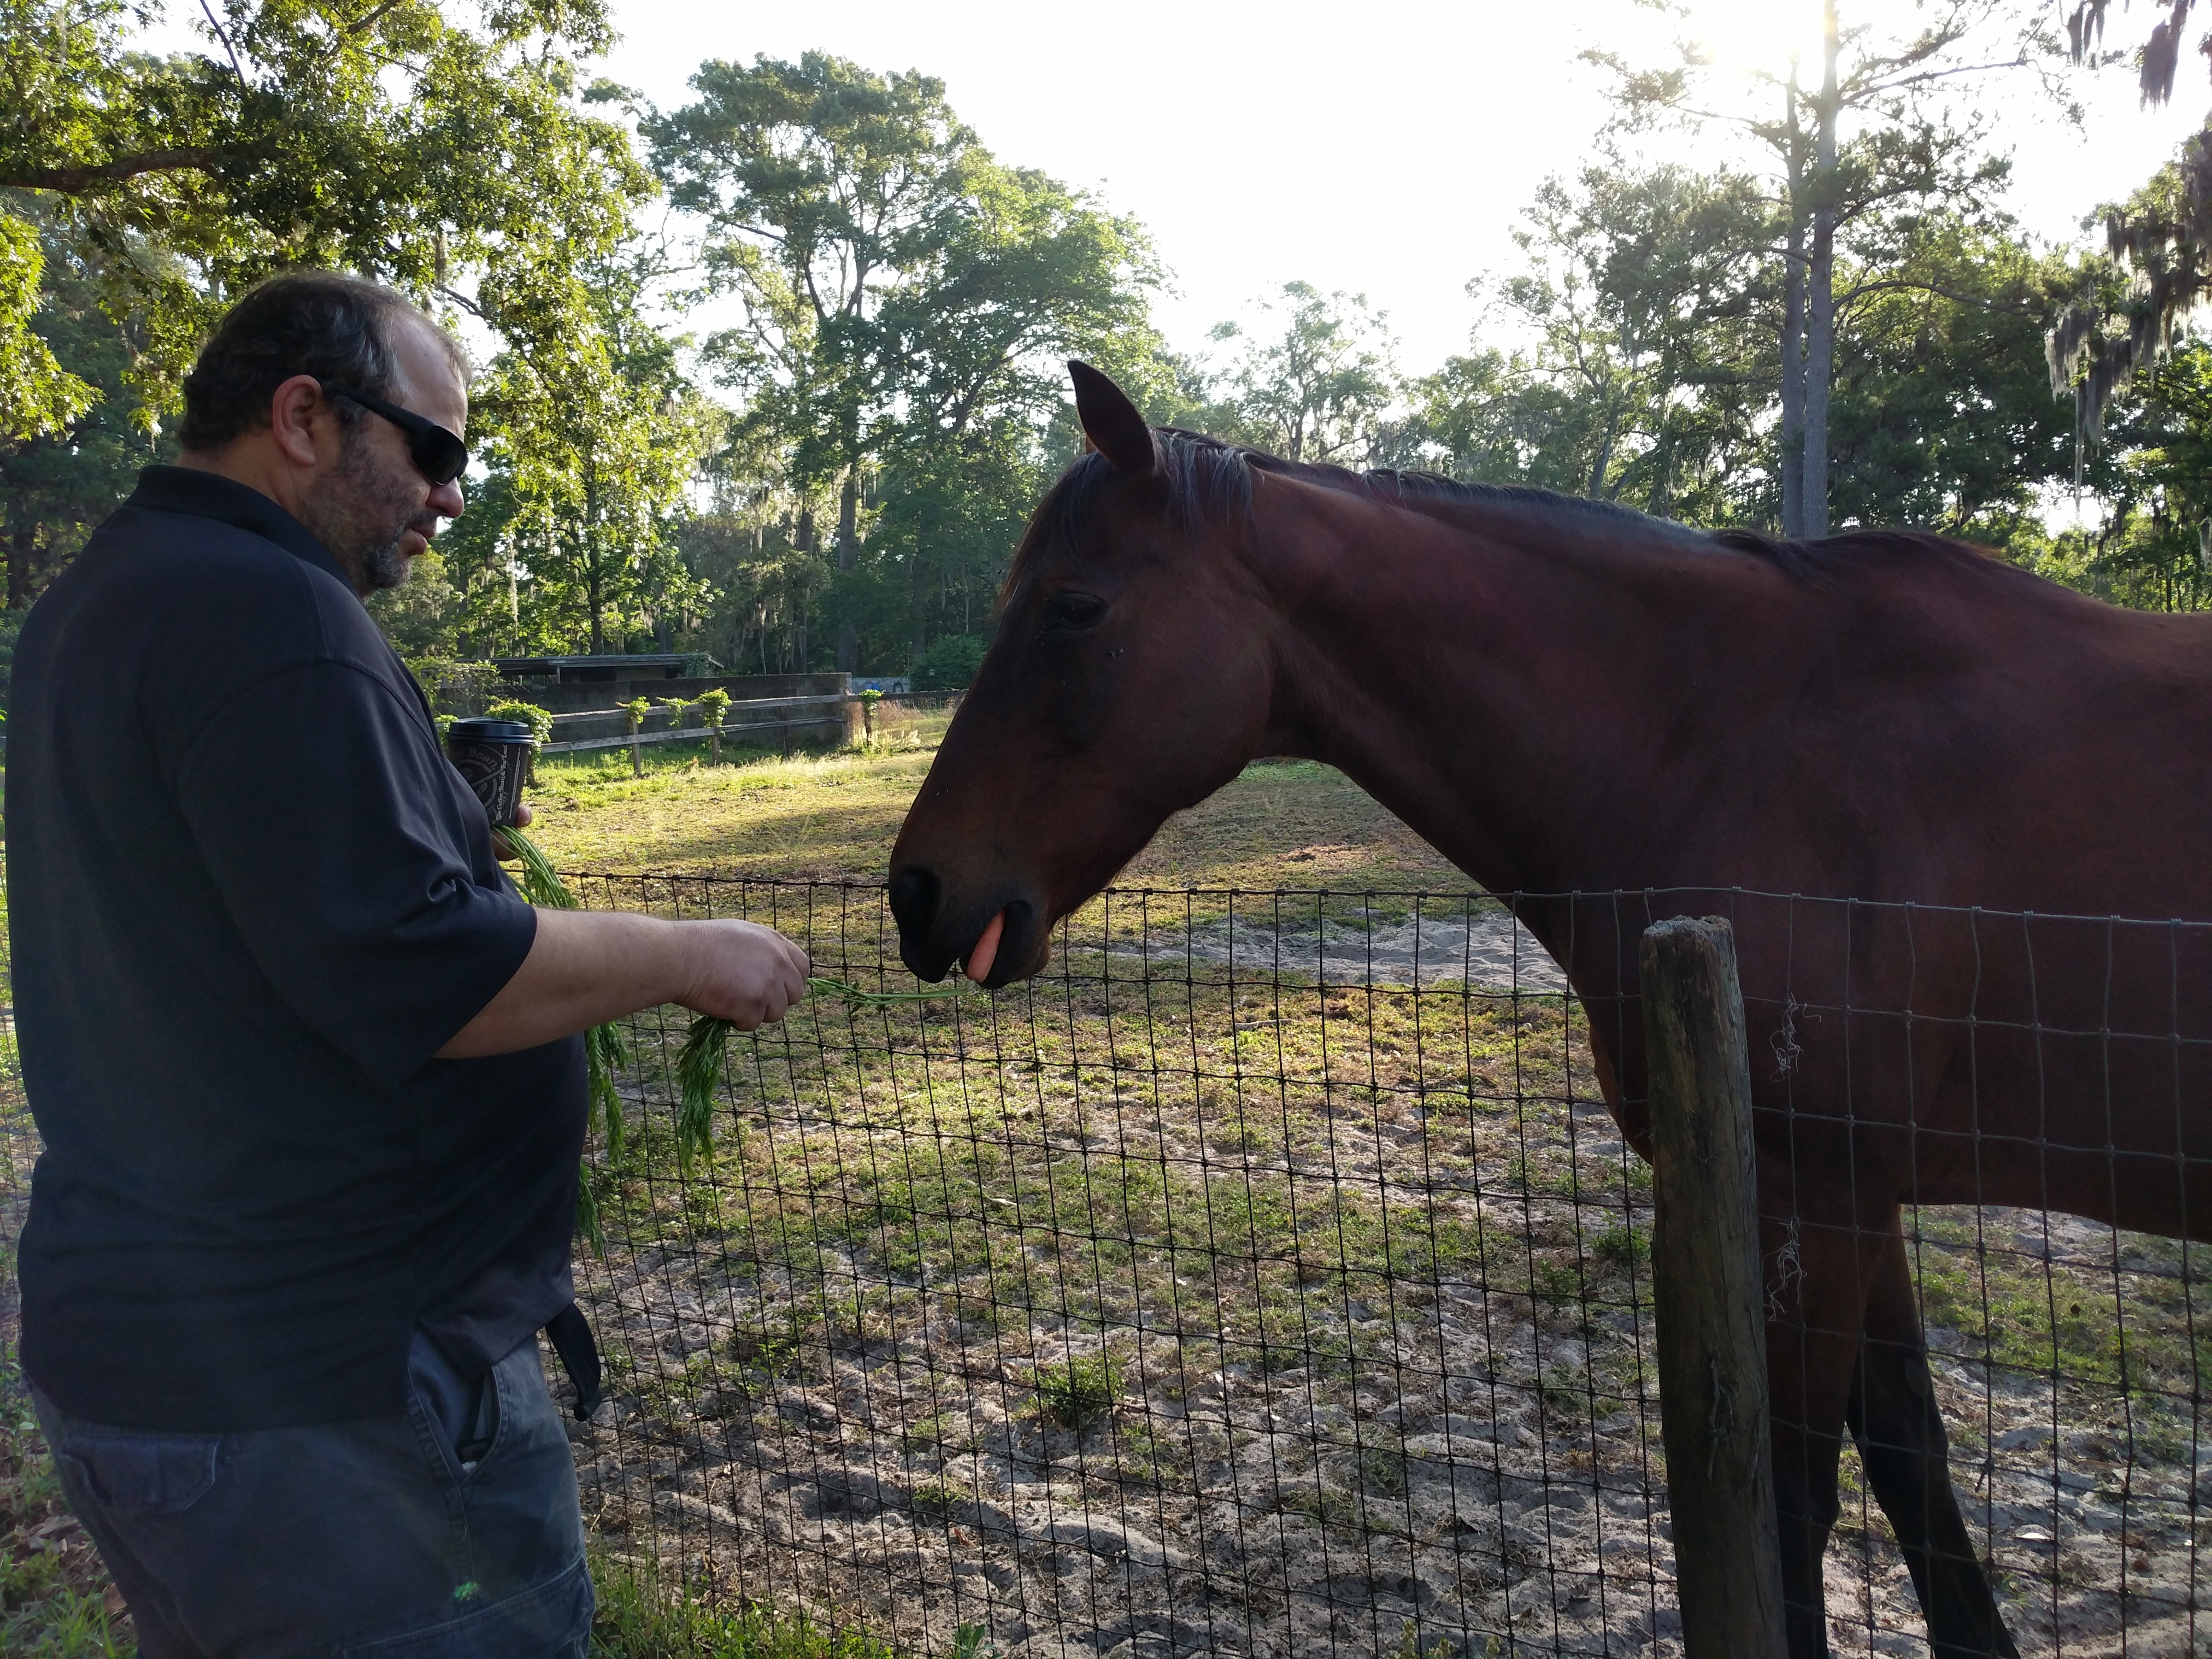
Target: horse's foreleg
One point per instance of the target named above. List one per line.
(1893, 1418)
(1810, 1350)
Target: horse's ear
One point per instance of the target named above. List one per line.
(1110, 421)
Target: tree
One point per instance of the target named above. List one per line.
(822, 185)
(2152, 542)
(2156, 60)
(1651, 374)
(900, 287)
(37, 396)
(1654, 377)
(385, 139)
(1486, 417)
(1907, 146)
(1942, 414)
(61, 482)
(1321, 389)
(2123, 313)
(1649, 293)
(594, 435)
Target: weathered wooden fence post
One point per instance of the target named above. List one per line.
(1708, 1294)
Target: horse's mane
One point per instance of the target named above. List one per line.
(1210, 482)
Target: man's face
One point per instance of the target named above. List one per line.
(373, 510)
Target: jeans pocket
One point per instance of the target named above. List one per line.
(130, 1472)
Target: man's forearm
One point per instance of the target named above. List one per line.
(585, 967)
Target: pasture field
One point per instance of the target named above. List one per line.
(834, 816)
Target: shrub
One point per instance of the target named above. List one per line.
(540, 721)
(949, 664)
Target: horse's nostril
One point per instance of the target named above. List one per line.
(915, 891)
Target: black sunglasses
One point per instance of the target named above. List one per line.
(438, 455)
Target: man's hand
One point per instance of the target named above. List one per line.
(744, 973)
(501, 847)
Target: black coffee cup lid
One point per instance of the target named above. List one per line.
(489, 731)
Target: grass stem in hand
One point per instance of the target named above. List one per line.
(606, 1053)
(698, 1074)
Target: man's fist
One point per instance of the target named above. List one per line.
(743, 972)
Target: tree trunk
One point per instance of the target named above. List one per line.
(22, 553)
(1792, 439)
(1604, 461)
(849, 555)
(1820, 290)
(914, 604)
(598, 607)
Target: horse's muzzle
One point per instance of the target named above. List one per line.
(935, 933)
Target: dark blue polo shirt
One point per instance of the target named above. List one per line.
(250, 900)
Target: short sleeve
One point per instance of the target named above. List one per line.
(356, 866)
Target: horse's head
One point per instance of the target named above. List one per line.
(1129, 677)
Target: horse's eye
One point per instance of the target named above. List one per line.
(1074, 611)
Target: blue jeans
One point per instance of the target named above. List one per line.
(364, 1540)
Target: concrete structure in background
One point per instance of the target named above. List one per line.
(599, 671)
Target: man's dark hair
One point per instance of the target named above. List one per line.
(336, 328)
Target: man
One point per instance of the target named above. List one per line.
(306, 1069)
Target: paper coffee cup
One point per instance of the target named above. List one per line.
(493, 755)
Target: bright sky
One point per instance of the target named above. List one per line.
(1385, 149)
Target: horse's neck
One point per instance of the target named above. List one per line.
(1509, 690)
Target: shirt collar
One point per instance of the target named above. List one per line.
(212, 495)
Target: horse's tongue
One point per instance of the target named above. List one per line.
(986, 951)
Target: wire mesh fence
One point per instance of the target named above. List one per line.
(1269, 1277)
(1253, 1281)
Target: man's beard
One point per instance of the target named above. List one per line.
(384, 567)
(361, 515)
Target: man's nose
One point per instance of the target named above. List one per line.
(447, 499)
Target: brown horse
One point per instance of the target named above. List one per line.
(1570, 699)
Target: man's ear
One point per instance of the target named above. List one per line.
(1111, 423)
(293, 410)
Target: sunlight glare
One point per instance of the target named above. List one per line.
(1760, 36)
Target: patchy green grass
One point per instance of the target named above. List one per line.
(835, 814)
(2128, 1335)
(641, 1617)
(1078, 1394)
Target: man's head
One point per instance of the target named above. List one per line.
(256, 410)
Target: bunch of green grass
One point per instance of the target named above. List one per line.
(699, 1063)
(706, 1047)
(1078, 1394)
(606, 1053)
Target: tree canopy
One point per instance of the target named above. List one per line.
(1831, 319)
